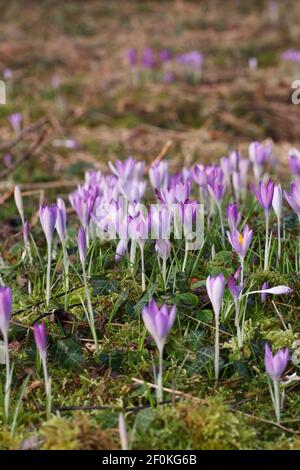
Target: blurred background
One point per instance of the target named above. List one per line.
(90, 81)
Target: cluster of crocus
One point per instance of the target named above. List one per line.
(162, 61)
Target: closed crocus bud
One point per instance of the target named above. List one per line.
(264, 194)
(294, 161)
(5, 309)
(158, 321)
(275, 365)
(81, 242)
(277, 200)
(264, 294)
(40, 336)
(48, 219)
(15, 120)
(61, 220)
(233, 216)
(19, 202)
(215, 286)
(163, 248)
(293, 197)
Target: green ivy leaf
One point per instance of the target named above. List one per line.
(68, 354)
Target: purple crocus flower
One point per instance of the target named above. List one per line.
(158, 322)
(233, 216)
(40, 336)
(15, 120)
(259, 153)
(216, 191)
(293, 197)
(81, 243)
(165, 55)
(215, 286)
(264, 194)
(163, 248)
(7, 159)
(192, 59)
(148, 58)
(5, 309)
(275, 365)
(158, 174)
(240, 241)
(294, 161)
(277, 200)
(132, 56)
(182, 191)
(48, 219)
(234, 287)
(61, 220)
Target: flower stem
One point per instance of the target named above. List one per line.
(90, 312)
(279, 239)
(7, 380)
(66, 275)
(143, 268)
(276, 399)
(217, 349)
(221, 222)
(237, 323)
(47, 388)
(164, 271)
(186, 252)
(160, 377)
(267, 243)
(48, 286)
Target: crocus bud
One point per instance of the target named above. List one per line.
(5, 309)
(264, 194)
(81, 242)
(40, 336)
(61, 220)
(48, 219)
(15, 120)
(275, 365)
(158, 322)
(19, 202)
(233, 216)
(215, 286)
(277, 200)
(163, 248)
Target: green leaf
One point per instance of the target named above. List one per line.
(206, 316)
(68, 354)
(187, 298)
(120, 301)
(102, 286)
(145, 299)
